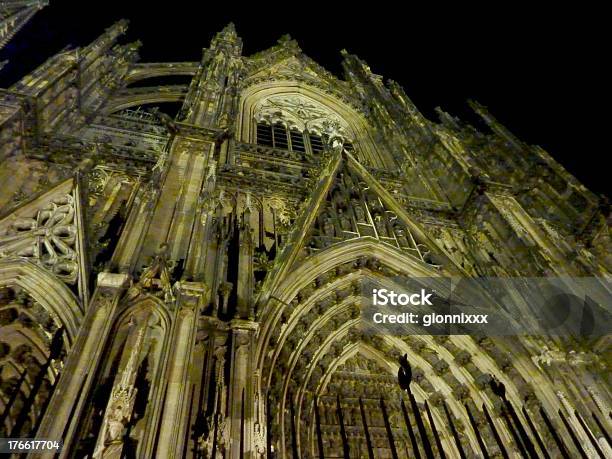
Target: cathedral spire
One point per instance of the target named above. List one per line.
(14, 14)
(354, 65)
(287, 42)
(495, 125)
(227, 38)
(400, 95)
(229, 30)
(448, 120)
(107, 38)
(219, 74)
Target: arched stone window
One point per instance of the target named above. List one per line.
(297, 123)
(39, 319)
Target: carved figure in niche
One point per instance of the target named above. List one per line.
(381, 226)
(260, 440)
(327, 224)
(359, 212)
(205, 443)
(115, 423)
(143, 386)
(225, 289)
(339, 191)
(224, 439)
(344, 220)
(212, 171)
(402, 235)
(156, 276)
(120, 406)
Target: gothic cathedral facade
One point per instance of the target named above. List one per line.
(189, 285)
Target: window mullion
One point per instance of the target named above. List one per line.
(289, 143)
(307, 145)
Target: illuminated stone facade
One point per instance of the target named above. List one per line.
(187, 286)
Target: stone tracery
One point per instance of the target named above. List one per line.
(301, 113)
(48, 237)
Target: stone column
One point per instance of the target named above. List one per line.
(242, 389)
(190, 299)
(136, 226)
(62, 416)
(245, 269)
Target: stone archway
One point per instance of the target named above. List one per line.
(311, 329)
(131, 382)
(39, 317)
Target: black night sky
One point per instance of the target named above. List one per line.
(539, 73)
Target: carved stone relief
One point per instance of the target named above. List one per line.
(47, 236)
(303, 114)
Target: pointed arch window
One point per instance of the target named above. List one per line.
(265, 135)
(297, 141)
(298, 123)
(316, 142)
(277, 135)
(280, 136)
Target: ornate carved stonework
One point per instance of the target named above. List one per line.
(301, 113)
(46, 233)
(120, 405)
